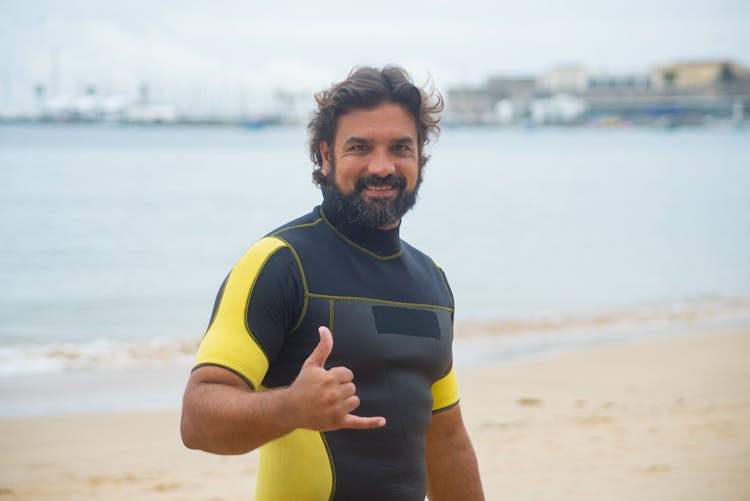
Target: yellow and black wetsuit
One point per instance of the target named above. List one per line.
(390, 310)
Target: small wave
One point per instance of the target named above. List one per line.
(58, 357)
(675, 313)
(62, 357)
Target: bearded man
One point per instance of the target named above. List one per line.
(330, 343)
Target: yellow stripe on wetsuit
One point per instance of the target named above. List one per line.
(229, 342)
(445, 391)
(297, 466)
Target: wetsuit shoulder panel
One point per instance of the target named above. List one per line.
(266, 282)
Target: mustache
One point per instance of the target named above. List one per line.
(389, 180)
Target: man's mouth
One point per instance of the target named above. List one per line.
(381, 185)
(379, 188)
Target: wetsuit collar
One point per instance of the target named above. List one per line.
(383, 243)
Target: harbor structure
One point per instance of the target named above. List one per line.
(702, 92)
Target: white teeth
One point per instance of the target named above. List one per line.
(379, 188)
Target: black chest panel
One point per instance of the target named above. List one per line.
(391, 321)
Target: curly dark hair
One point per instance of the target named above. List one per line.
(367, 87)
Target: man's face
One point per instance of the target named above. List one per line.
(373, 172)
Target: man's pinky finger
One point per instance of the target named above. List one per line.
(362, 423)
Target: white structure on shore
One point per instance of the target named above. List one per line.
(684, 93)
(93, 108)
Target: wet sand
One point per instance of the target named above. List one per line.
(662, 420)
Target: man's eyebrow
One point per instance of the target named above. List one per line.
(356, 140)
(362, 140)
(405, 140)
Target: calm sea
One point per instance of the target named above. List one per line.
(114, 240)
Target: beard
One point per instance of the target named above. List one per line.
(375, 212)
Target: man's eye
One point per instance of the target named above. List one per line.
(358, 147)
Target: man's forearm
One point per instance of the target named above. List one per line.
(455, 478)
(226, 420)
(452, 468)
(220, 415)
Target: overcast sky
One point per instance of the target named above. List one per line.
(224, 52)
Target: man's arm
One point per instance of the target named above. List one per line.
(452, 470)
(220, 414)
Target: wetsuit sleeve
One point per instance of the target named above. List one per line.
(445, 389)
(445, 392)
(258, 304)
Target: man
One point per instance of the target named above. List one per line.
(333, 313)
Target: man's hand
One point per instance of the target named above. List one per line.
(323, 399)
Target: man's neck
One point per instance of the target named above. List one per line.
(381, 241)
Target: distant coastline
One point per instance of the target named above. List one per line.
(691, 93)
(276, 122)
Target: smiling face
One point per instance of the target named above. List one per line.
(373, 170)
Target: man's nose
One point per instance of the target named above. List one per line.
(381, 164)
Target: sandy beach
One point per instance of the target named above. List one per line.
(661, 420)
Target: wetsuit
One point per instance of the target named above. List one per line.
(390, 311)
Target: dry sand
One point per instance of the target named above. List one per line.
(663, 420)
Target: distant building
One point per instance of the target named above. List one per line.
(614, 83)
(571, 79)
(499, 100)
(574, 94)
(671, 94)
(469, 105)
(513, 89)
(560, 109)
(697, 75)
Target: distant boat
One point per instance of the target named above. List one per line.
(260, 122)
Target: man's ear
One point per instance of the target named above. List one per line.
(325, 155)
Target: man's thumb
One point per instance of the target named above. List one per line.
(320, 354)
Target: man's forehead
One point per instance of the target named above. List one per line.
(393, 119)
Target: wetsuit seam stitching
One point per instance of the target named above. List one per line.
(303, 311)
(447, 407)
(330, 313)
(247, 304)
(218, 303)
(381, 301)
(233, 371)
(247, 307)
(444, 280)
(296, 226)
(330, 463)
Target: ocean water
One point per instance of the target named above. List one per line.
(114, 240)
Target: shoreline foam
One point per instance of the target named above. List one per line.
(107, 376)
(714, 313)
